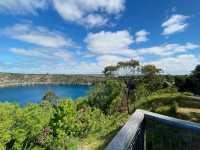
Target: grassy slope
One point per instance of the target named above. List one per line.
(177, 105)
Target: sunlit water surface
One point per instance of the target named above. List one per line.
(34, 93)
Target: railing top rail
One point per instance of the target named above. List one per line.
(127, 133)
(179, 123)
(125, 136)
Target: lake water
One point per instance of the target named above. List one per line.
(34, 93)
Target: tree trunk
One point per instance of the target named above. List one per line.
(127, 101)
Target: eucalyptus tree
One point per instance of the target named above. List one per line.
(130, 73)
(152, 78)
(128, 68)
(109, 70)
(150, 71)
(127, 72)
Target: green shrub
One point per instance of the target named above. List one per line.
(104, 95)
(64, 120)
(50, 97)
(20, 127)
(170, 90)
(187, 93)
(7, 121)
(82, 103)
(141, 91)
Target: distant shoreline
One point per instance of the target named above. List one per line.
(11, 79)
(40, 83)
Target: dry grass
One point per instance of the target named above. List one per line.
(175, 105)
(192, 114)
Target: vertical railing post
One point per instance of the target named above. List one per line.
(144, 122)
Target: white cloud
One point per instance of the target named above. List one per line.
(24, 52)
(88, 12)
(22, 7)
(48, 54)
(115, 43)
(141, 36)
(176, 23)
(38, 35)
(167, 49)
(182, 64)
(95, 20)
(106, 60)
(93, 67)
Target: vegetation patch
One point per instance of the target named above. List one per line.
(91, 122)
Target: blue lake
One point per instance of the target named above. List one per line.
(34, 93)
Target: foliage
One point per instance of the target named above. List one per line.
(180, 82)
(109, 70)
(64, 120)
(130, 73)
(152, 78)
(7, 116)
(82, 103)
(51, 97)
(106, 96)
(189, 83)
(156, 83)
(150, 71)
(169, 104)
(21, 127)
(67, 124)
(43, 126)
(141, 91)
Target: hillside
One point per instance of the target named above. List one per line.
(11, 79)
(177, 105)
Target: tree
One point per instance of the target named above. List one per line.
(150, 71)
(128, 68)
(192, 83)
(106, 95)
(196, 71)
(180, 82)
(152, 78)
(126, 71)
(109, 70)
(51, 97)
(189, 83)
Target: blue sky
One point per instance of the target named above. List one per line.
(83, 36)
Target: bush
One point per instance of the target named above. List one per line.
(64, 120)
(82, 103)
(187, 93)
(141, 91)
(21, 127)
(50, 97)
(170, 90)
(105, 95)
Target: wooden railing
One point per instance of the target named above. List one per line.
(150, 131)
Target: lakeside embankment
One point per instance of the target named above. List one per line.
(14, 79)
